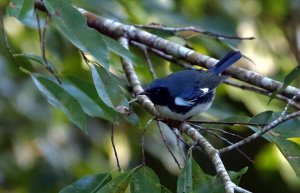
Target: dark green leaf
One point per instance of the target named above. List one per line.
(37, 59)
(88, 184)
(20, 9)
(87, 96)
(117, 185)
(287, 81)
(145, 181)
(192, 177)
(61, 99)
(164, 189)
(287, 129)
(280, 135)
(108, 88)
(74, 27)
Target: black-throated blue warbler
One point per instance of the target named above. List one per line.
(184, 94)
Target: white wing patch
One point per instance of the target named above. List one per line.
(204, 90)
(181, 102)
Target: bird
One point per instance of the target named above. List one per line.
(184, 94)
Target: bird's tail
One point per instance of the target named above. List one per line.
(229, 59)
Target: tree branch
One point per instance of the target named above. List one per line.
(116, 29)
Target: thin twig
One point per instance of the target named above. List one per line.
(218, 130)
(226, 123)
(114, 147)
(163, 55)
(263, 92)
(193, 29)
(229, 142)
(151, 69)
(42, 35)
(267, 128)
(167, 145)
(290, 102)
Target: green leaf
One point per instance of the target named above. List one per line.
(61, 99)
(20, 9)
(108, 89)
(87, 96)
(87, 184)
(117, 185)
(291, 152)
(164, 189)
(145, 181)
(287, 129)
(118, 49)
(37, 59)
(280, 135)
(74, 27)
(192, 177)
(287, 81)
(236, 176)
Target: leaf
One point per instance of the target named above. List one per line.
(291, 152)
(287, 129)
(74, 27)
(280, 135)
(61, 99)
(287, 81)
(144, 180)
(118, 49)
(108, 88)
(192, 177)
(87, 96)
(37, 59)
(117, 185)
(164, 189)
(236, 176)
(87, 184)
(20, 9)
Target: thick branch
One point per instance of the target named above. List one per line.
(116, 29)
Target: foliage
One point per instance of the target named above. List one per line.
(40, 151)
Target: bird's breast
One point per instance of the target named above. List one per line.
(166, 112)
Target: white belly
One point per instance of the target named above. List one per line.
(167, 113)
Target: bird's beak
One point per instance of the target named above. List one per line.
(145, 92)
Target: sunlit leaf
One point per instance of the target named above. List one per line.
(287, 81)
(74, 27)
(144, 180)
(108, 88)
(61, 99)
(87, 184)
(117, 185)
(20, 9)
(87, 96)
(291, 152)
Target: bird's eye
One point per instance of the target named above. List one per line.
(157, 91)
